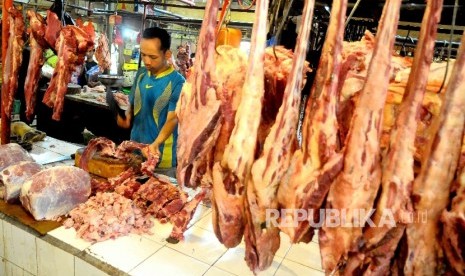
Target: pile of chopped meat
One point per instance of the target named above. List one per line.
(108, 216)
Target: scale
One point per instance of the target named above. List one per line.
(112, 82)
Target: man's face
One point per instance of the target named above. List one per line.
(154, 59)
(90, 54)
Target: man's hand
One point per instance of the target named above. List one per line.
(151, 149)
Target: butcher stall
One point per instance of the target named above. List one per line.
(333, 144)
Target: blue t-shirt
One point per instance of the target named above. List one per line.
(151, 98)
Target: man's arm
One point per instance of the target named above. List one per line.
(126, 122)
(165, 132)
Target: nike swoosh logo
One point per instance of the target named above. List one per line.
(148, 86)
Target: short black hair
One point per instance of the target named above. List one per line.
(163, 35)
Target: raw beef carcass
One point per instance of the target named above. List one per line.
(431, 188)
(54, 192)
(231, 174)
(356, 59)
(453, 221)
(398, 174)
(278, 65)
(262, 240)
(183, 61)
(72, 46)
(102, 53)
(52, 30)
(11, 154)
(230, 78)
(429, 109)
(37, 44)
(13, 59)
(398, 166)
(199, 102)
(355, 188)
(315, 165)
(14, 176)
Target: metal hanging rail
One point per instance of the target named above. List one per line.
(166, 5)
(192, 21)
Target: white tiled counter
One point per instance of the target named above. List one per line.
(24, 252)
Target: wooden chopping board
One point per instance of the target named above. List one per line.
(17, 212)
(105, 167)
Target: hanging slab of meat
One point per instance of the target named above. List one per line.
(377, 259)
(355, 188)
(230, 72)
(313, 167)
(72, 46)
(262, 240)
(398, 174)
(102, 53)
(199, 102)
(52, 29)
(231, 174)
(453, 221)
(54, 192)
(431, 188)
(11, 154)
(14, 176)
(278, 65)
(37, 44)
(356, 59)
(230, 78)
(13, 59)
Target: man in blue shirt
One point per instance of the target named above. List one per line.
(153, 99)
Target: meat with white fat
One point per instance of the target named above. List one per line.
(52, 29)
(453, 232)
(262, 240)
(37, 44)
(315, 165)
(398, 167)
(11, 154)
(54, 192)
(13, 59)
(102, 53)
(231, 174)
(398, 174)
(71, 46)
(431, 188)
(199, 103)
(14, 176)
(355, 188)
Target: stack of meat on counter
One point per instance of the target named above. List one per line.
(45, 193)
(381, 134)
(128, 202)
